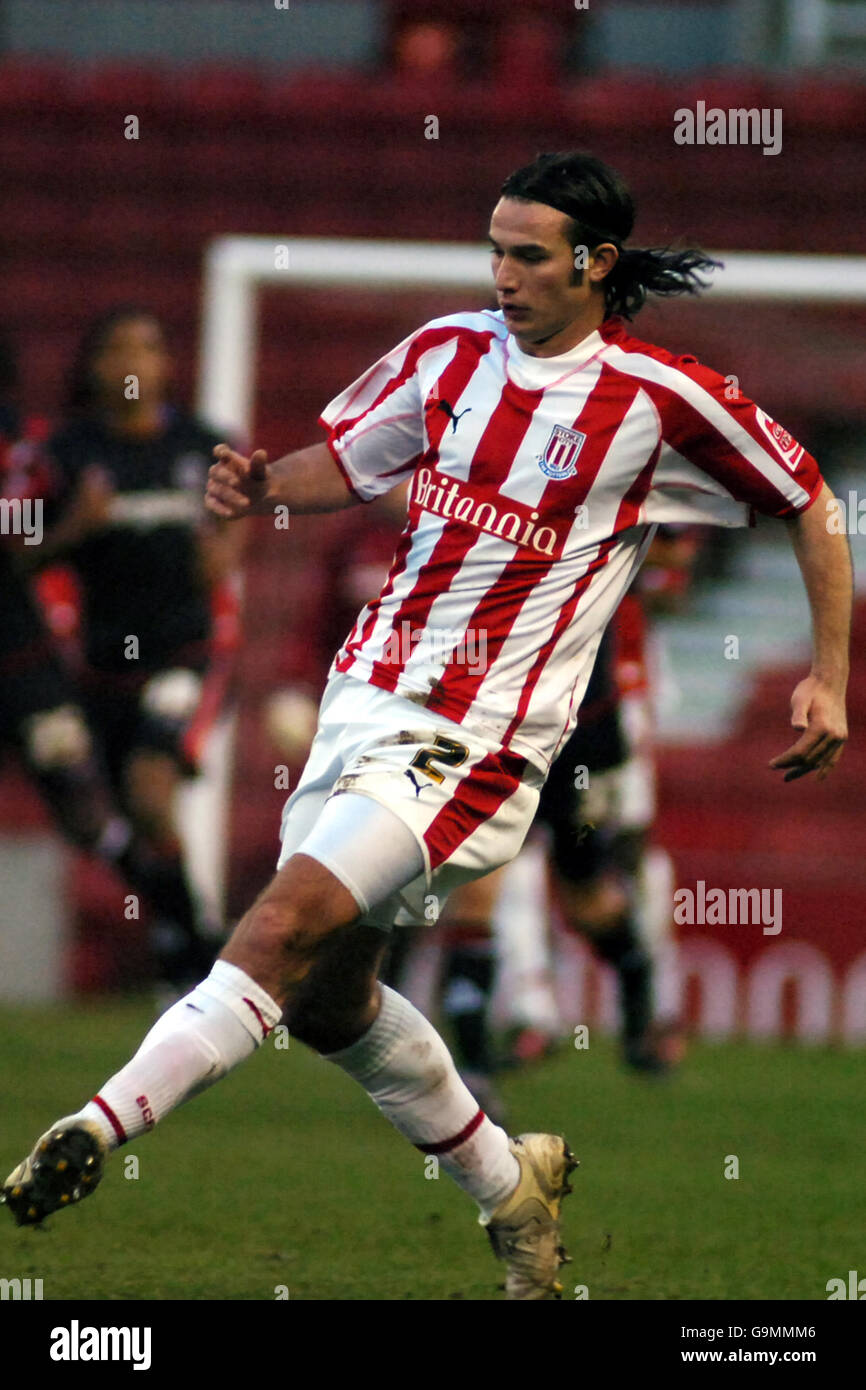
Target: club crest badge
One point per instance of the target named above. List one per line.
(559, 459)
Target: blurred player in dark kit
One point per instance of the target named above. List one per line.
(127, 516)
(41, 718)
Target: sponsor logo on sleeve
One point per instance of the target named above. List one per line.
(785, 443)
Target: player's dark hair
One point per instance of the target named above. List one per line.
(82, 393)
(601, 208)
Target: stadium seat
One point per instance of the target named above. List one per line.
(218, 95)
(108, 89)
(33, 87)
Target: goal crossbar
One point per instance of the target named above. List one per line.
(236, 266)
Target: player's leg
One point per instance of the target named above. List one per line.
(467, 982)
(596, 841)
(280, 957)
(56, 749)
(465, 977)
(43, 720)
(50, 730)
(406, 1069)
(193, 1044)
(152, 781)
(335, 1004)
(144, 737)
(596, 892)
(522, 926)
(469, 806)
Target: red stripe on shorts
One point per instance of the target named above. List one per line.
(478, 797)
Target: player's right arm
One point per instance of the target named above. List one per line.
(376, 436)
(307, 480)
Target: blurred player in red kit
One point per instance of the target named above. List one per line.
(543, 444)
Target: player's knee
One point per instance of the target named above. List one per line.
(57, 739)
(297, 923)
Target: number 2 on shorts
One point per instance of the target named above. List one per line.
(444, 750)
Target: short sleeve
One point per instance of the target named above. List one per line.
(720, 455)
(376, 426)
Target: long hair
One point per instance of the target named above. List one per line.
(601, 208)
(81, 387)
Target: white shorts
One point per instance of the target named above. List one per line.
(467, 802)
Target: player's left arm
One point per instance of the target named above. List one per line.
(717, 443)
(818, 702)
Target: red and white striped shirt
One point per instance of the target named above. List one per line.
(536, 487)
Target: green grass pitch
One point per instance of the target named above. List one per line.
(285, 1175)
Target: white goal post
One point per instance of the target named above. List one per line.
(236, 266)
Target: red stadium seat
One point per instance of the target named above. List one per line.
(33, 159)
(621, 102)
(125, 88)
(220, 94)
(31, 87)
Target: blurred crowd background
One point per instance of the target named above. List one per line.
(309, 120)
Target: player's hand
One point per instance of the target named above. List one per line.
(236, 486)
(818, 710)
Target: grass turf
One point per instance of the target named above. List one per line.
(285, 1175)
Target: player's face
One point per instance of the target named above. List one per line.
(134, 347)
(548, 306)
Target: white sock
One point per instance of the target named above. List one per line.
(406, 1069)
(194, 1043)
